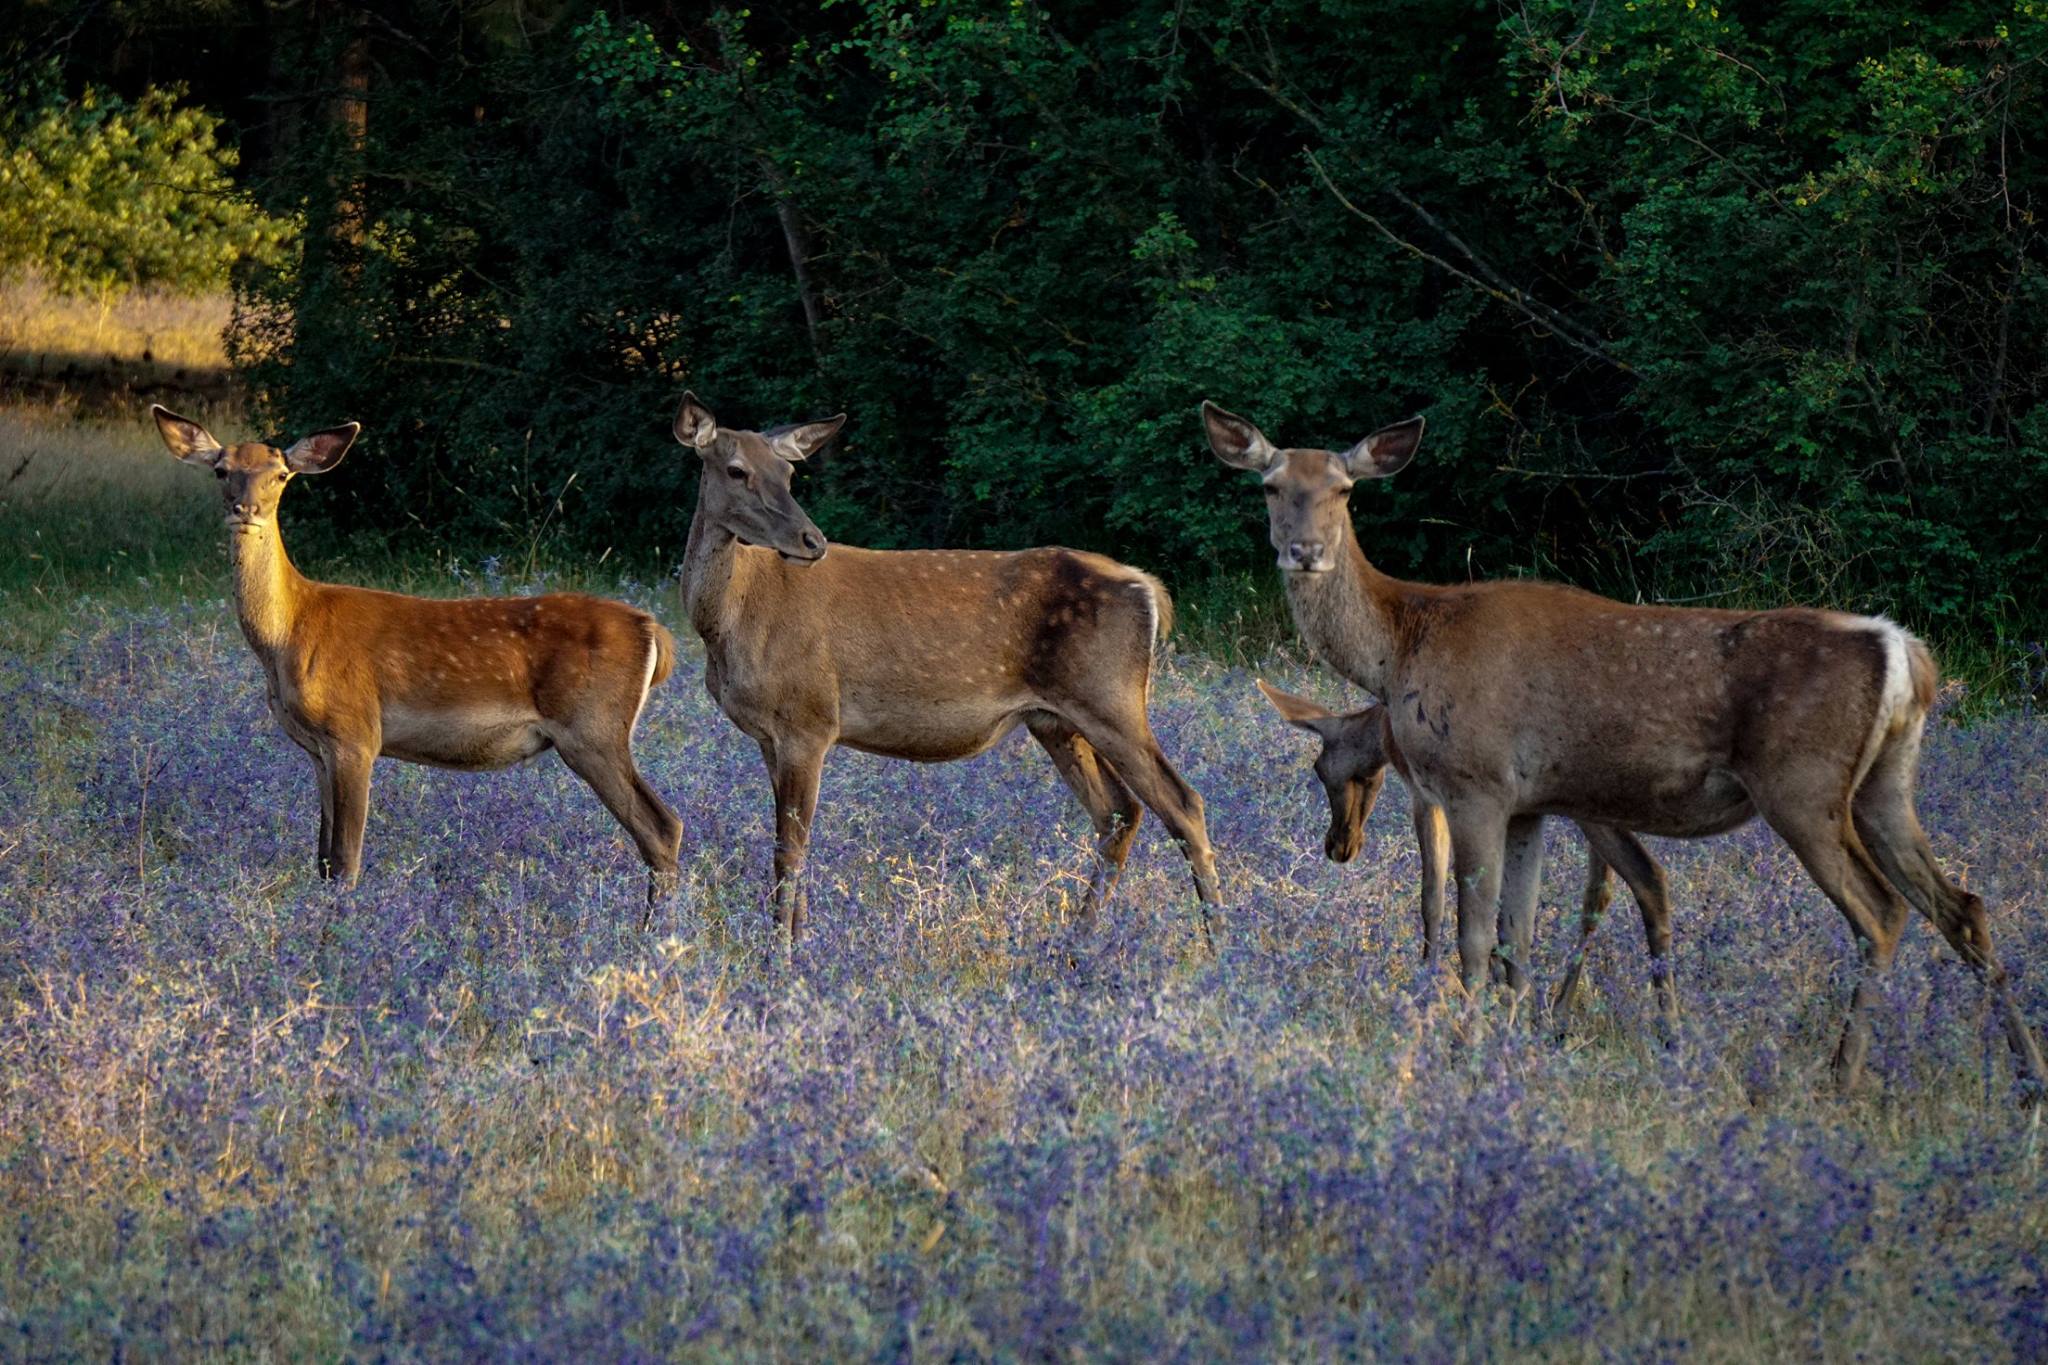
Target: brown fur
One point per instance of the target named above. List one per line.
(926, 655)
(477, 683)
(1511, 701)
(1358, 747)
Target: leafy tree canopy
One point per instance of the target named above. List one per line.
(99, 195)
(1710, 302)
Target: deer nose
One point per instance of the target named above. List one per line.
(1307, 552)
(812, 541)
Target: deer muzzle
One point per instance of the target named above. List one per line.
(1306, 556)
(813, 546)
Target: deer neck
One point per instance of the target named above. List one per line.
(714, 575)
(267, 587)
(1349, 615)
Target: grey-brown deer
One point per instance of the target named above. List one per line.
(1510, 701)
(927, 655)
(1357, 748)
(476, 683)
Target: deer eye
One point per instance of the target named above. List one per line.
(737, 471)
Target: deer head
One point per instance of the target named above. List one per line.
(1352, 765)
(1308, 491)
(745, 488)
(252, 475)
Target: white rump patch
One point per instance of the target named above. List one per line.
(1151, 609)
(1895, 696)
(646, 682)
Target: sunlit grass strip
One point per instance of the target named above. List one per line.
(166, 328)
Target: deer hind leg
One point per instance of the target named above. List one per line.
(1593, 903)
(1521, 882)
(1819, 830)
(663, 879)
(1111, 805)
(1626, 854)
(1890, 828)
(1137, 759)
(795, 765)
(346, 769)
(605, 763)
(1433, 841)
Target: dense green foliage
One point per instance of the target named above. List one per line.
(99, 195)
(1709, 304)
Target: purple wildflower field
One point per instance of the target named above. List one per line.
(471, 1109)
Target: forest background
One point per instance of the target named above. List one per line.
(1721, 304)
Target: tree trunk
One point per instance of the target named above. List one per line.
(350, 111)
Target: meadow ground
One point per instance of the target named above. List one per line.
(41, 326)
(470, 1109)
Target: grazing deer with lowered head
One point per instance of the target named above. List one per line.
(477, 683)
(920, 654)
(1510, 701)
(1357, 749)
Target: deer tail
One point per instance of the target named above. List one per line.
(1926, 673)
(1161, 602)
(664, 652)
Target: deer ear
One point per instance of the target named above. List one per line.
(802, 442)
(1236, 442)
(186, 439)
(695, 427)
(1299, 711)
(322, 451)
(1386, 451)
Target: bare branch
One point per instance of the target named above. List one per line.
(1513, 297)
(1493, 283)
(1558, 322)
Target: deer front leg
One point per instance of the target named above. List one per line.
(323, 859)
(1972, 938)
(794, 765)
(1478, 847)
(1522, 880)
(348, 786)
(1433, 839)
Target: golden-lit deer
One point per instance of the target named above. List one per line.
(476, 683)
(1509, 701)
(925, 655)
(1358, 747)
